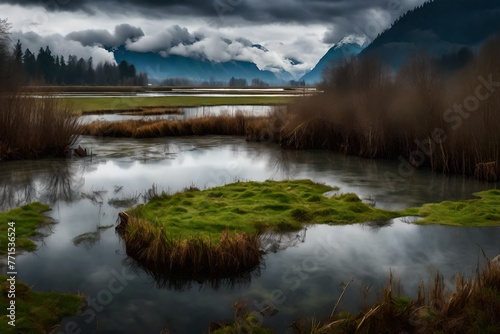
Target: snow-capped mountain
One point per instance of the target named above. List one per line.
(348, 46)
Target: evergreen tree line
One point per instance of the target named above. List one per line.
(47, 69)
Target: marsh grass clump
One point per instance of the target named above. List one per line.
(193, 257)
(32, 127)
(217, 231)
(27, 219)
(482, 211)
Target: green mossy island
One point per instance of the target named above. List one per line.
(215, 232)
(36, 312)
(27, 219)
(254, 207)
(483, 211)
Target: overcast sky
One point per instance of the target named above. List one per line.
(219, 30)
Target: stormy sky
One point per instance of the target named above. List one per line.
(218, 30)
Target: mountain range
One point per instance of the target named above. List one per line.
(159, 68)
(440, 28)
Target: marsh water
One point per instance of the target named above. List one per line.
(302, 278)
(186, 113)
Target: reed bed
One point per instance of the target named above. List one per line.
(34, 127)
(211, 125)
(473, 307)
(149, 244)
(423, 114)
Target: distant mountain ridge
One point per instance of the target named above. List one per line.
(438, 27)
(159, 68)
(347, 47)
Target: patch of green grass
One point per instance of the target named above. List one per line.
(125, 103)
(27, 219)
(484, 211)
(36, 312)
(253, 207)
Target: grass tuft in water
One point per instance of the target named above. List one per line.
(27, 219)
(483, 211)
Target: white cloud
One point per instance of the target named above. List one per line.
(59, 45)
(171, 32)
(163, 40)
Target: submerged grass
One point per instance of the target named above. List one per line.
(484, 211)
(28, 219)
(36, 312)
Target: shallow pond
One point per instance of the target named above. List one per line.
(306, 272)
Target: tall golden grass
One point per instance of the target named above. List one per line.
(211, 125)
(150, 245)
(423, 114)
(34, 127)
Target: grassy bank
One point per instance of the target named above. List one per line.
(473, 307)
(27, 219)
(215, 232)
(31, 128)
(123, 103)
(36, 312)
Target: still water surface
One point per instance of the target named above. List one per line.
(307, 270)
(187, 113)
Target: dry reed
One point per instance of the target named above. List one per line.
(35, 127)
(473, 307)
(212, 125)
(150, 245)
(423, 114)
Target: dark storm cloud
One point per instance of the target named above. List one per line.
(101, 37)
(303, 11)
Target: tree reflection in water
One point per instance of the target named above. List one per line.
(60, 182)
(63, 183)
